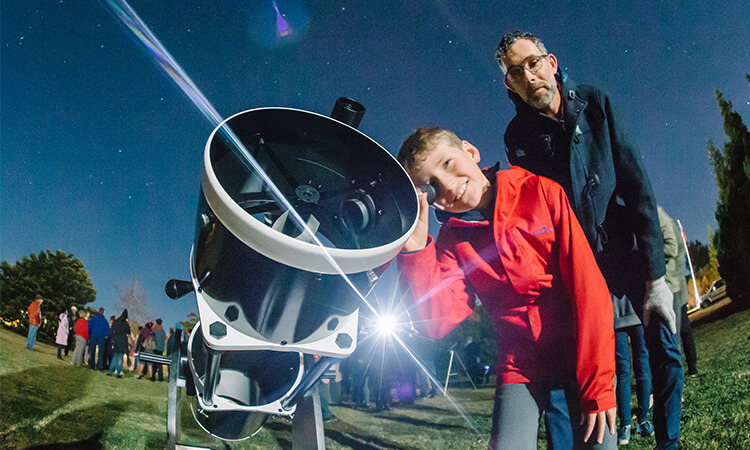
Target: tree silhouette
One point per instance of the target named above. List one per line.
(732, 169)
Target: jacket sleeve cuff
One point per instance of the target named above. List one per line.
(429, 241)
(603, 403)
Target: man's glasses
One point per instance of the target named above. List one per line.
(533, 64)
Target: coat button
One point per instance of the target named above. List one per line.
(576, 139)
(571, 94)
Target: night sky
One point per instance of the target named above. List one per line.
(101, 153)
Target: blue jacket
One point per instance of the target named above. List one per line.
(98, 327)
(591, 154)
(160, 338)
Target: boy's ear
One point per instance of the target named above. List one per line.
(472, 151)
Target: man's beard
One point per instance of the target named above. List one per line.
(540, 98)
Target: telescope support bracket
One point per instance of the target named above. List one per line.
(307, 427)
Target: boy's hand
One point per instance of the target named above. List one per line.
(597, 420)
(418, 239)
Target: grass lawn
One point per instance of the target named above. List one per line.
(47, 402)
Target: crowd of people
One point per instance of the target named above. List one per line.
(110, 346)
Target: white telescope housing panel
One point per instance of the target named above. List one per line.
(302, 253)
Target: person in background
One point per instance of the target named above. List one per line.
(132, 357)
(35, 321)
(119, 337)
(170, 337)
(675, 256)
(360, 373)
(472, 359)
(82, 335)
(160, 341)
(86, 349)
(71, 329)
(145, 343)
(61, 339)
(108, 351)
(629, 333)
(98, 332)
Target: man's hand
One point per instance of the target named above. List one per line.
(659, 299)
(418, 239)
(598, 420)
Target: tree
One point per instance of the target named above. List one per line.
(698, 255)
(713, 260)
(57, 277)
(732, 169)
(132, 297)
(190, 323)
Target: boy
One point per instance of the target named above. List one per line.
(511, 238)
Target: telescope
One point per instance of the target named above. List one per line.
(276, 285)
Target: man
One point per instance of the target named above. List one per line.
(675, 255)
(572, 135)
(98, 329)
(35, 321)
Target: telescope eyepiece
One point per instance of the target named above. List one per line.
(430, 191)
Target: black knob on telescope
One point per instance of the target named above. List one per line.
(430, 191)
(178, 288)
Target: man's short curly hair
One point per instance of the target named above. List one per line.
(511, 38)
(415, 148)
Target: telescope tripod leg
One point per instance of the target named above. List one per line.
(173, 404)
(307, 426)
(174, 393)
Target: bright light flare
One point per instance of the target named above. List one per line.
(386, 324)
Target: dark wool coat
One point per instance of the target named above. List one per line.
(592, 155)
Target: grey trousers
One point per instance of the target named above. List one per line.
(515, 418)
(78, 352)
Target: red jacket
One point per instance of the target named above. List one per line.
(536, 276)
(82, 328)
(35, 313)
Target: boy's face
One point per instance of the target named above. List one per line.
(453, 172)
